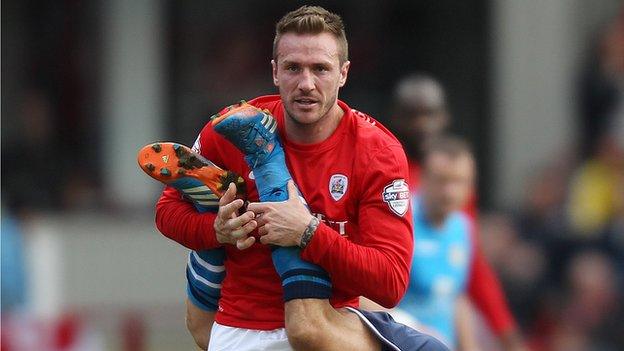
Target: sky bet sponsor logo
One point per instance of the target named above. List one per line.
(397, 196)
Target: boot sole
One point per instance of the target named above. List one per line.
(177, 165)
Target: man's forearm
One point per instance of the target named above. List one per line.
(179, 221)
(379, 273)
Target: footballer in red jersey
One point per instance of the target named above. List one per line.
(306, 262)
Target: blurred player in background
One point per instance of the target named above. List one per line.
(420, 114)
(436, 295)
(360, 234)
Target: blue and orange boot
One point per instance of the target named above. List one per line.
(201, 182)
(254, 132)
(198, 179)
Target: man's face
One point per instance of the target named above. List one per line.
(426, 122)
(308, 73)
(448, 183)
(417, 126)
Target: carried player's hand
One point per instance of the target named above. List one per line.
(282, 223)
(231, 228)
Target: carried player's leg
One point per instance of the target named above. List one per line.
(311, 322)
(203, 293)
(199, 323)
(253, 132)
(202, 183)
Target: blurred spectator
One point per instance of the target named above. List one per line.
(542, 220)
(584, 317)
(521, 264)
(594, 195)
(31, 172)
(542, 216)
(602, 84)
(40, 170)
(419, 114)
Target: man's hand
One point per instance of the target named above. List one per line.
(230, 228)
(282, 223)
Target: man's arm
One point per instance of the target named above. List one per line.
(376, 263)
(464, 320)
(486, 293)
(178, 220)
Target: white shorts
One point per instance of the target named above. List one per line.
(224, 338)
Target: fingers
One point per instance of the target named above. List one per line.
(246, 243)
(262, 219)
(263, 230)
(259, 207)
(240, 220)
(229, 195)
(293, 193)
(243, 231)
(226, 211)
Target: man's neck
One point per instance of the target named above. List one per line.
(315, 132)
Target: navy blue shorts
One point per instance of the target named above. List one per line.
(395, 336)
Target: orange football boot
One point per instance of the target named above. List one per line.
(197, 178)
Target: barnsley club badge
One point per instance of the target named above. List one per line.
(338, 186)
(397, 196)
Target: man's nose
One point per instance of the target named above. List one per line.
(306, 82)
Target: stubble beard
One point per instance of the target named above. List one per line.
(324, 114)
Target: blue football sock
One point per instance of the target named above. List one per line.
(254, 133)
(204, 274)
(205, 270)
(300, 279)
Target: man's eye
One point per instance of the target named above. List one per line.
(292, 68)
(321, 69)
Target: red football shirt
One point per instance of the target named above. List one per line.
(355, 181)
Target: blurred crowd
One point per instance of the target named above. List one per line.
(560, 255)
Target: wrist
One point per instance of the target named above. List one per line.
(309, 231)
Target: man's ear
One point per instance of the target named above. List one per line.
(274, 71)
(344, 72)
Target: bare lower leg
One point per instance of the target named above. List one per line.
(199, 324)
(313, 324)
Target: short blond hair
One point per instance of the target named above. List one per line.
(312, 20)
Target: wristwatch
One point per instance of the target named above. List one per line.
(308, 233)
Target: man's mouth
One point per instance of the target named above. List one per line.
(305, 101)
